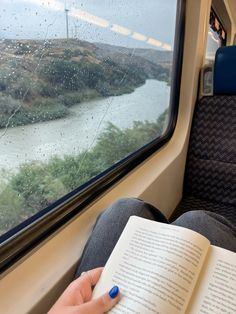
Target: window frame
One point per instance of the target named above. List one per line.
(21, 239)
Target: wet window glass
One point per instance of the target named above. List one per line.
(83, 84)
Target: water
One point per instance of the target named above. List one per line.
(80, 130)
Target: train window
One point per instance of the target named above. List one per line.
(83, 84)
(216, 37)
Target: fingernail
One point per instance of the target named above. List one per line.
(114, 292)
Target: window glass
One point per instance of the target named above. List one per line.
(216, 37)
(82, 85)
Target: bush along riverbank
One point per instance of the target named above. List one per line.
(38, 184)
(40, 81)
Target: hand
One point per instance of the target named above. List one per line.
(76, 299)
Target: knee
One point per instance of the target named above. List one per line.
(193, 215)
(126, 207)
(127, 202)
(191, 218)
(123, 208)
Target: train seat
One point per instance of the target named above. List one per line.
(210, 174)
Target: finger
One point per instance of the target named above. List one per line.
(92, 276)
(81, 288)
(86, 280)
(102, 304)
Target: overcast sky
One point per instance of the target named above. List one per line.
(130, 23)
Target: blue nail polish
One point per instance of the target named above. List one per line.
(114, 292)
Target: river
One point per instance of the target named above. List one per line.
(80, 130)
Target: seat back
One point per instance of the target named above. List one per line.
(225, 71)
(211, 163)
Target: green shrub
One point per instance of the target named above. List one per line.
(72, 75)
(46, 109)
(11, 209)
(47, 90)
(68, 54)
(77, 52)
(70, 99)
(3, 81)
(39, 184)
(65, 73)
(36, 186)
(22, 89)
(8, 76)
(22, 49)
(7, 105)
(42, 110)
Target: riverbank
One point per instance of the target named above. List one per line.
(40, 81)
(48, 109)
(80, 130)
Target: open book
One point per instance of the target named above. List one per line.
(162, 268)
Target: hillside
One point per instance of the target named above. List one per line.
(155, 56)
(40, 80)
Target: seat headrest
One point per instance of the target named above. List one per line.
(225, 71)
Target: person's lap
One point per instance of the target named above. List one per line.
(111, 223)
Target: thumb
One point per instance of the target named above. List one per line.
(102, 304)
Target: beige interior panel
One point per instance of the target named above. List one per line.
(35, 282)
(231, 10)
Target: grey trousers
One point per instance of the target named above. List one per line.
(112, 221)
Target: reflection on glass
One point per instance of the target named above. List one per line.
(213, 43)
(82, 85)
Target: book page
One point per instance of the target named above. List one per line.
(155, 265)
(216, 289)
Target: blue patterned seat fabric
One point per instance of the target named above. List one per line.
(210, 175)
